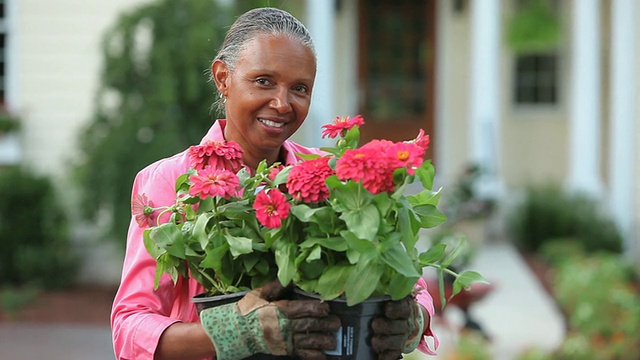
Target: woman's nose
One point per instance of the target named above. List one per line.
(280, 102)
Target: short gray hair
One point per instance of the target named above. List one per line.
(265, 21)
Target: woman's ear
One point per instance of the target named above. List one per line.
(220, 74)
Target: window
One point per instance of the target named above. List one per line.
(394, 62)
(536, 79)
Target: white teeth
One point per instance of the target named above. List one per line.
(271, 123)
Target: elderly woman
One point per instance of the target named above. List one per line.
(264, 72)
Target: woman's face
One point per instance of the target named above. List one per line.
(268, 93)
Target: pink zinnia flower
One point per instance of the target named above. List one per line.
(217, 154)
(271, 208)
(369, 165)
(306, 180)
(214, 182)
(273, 172)
(421, 140)
(142, 209)
(341, 125)
(407, 155)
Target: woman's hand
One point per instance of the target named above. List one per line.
(260, 323)
(398, 329)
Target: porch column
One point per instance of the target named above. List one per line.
(584, 118)
(320, 20)
(622, 112)
(484, 116)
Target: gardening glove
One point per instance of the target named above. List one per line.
(259, 323)
(398, 329)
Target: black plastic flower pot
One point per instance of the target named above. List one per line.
(354, 337)
(203, 301)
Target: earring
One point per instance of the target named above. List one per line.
(223, 99)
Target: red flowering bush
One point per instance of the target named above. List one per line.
(339, 225)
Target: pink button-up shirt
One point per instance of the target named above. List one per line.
(140, 315)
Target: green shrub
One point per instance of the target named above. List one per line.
(557, 251)
(549, 212)
(13, 299)
(34, 235)
(471, 346)
(602, 308)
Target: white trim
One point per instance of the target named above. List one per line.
(584, 113)
(320, 22)
(484, 110)
(622, 115)
(12, 47)
(441, 125)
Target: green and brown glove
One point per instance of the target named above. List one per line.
(259, 323)
(398, 330)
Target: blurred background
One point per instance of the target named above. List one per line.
(531, 106)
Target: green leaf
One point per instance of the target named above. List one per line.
(285, 257)
(307, 156)
(464, 280)
(315, 254)
(405, 228)
(433, 255)
(401, 286)
(152, 247)
(425, 197)
(383, 202)
(312, 269)
(200, 230)
(169, 237)
(239, 245)
(352, 137)
(282, 176)
(332, 282)
(426, 173)
(363, 280)
(306, 213)
(182, 182)
(397, 258)
(357, 244)
(250, 262)
(205, 205)
(430, 216)
(364, 222)
(350, 196)
(166, 265)
(455, 253)
(262, 165)
(335, 243)
(214, 257)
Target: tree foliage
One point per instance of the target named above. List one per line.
(154, 99)
(34, 236)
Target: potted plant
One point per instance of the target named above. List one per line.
(353, 230)
(212, 233)
(339, 225)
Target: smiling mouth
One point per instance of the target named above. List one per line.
(271, 123)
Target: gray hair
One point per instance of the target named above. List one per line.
(266, 21)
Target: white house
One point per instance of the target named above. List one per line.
(450, 72)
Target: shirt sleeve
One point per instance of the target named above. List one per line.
(424, 298)
(140, 315)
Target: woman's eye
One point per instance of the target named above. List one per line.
(301, 88)
(263, 81)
